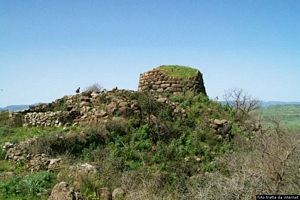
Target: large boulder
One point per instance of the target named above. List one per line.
(64, 191)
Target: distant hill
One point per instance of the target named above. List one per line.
(17, 107)
(265, 104)
(276, 103)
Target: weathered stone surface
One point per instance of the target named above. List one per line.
(84, 103)
(125, 111)
(87, 93)
(7, 146)
(104, 193)
(162, 100)
(64, 191)
(34, 162)
(87, 168)
(156, 80)
(54, 164)
(95, 94)
(101, 113)
(123, 104)
(49, 118)
(165, 85)
(218, 122)
(111, 108)
(221, 127)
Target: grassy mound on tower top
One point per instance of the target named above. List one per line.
(178, 71)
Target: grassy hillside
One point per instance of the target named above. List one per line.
(289, 115)
(178, 71)
(201, 151)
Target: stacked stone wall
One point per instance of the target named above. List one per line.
(90, 107)
(49, 118)
(157, 80)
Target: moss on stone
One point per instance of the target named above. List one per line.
(178, 71)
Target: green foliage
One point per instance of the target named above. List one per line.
(15, 121)
(30, 185)
(36, 182)
(148, 105)
(103, 98)
(59, 106)
(4, 116)
(5, 165)
(17, 134)
(19, 167)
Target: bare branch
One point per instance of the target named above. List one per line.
(241, 103)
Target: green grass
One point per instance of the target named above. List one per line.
(178, 71)
(18, 134)
(15, 135)
(288, 115)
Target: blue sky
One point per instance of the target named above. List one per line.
(49, 48)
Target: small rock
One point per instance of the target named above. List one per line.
(54, 164)
(111, 108)
(123, 104)
(104, 193)
(224, 121)
(161, 100)
(198, 159)
(218, 122)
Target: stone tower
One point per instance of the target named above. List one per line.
(172, 78)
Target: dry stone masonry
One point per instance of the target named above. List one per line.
(34, 162)
(92, 107)
(158, 80)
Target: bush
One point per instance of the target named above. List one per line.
(15, 121)
(29, 185)
(4, 116)
(36, 182)
(96, 87)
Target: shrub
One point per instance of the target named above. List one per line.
(4, 116)
(96, 87)
(103, 98)
(6, 120)
(36, 182)
(118, 126)
(30, 184)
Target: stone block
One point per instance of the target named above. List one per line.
(165, 85)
